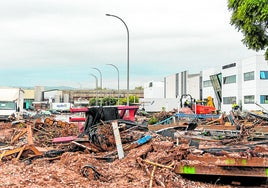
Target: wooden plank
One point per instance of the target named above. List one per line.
(64, 139)
(118, 142)
(20, 151)
(30, 135)
(22, 132)
(10, 152)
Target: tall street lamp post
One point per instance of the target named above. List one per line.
(97, 98)
(100, 76)
(100, 83)
(118, 94)
(127, 54)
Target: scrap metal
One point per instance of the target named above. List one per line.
(162, 158)
(91, 172)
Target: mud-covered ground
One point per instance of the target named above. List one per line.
(82, 168)
(66, 172)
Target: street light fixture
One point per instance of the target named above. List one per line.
(96, 80)
(117, 81)
(127, 54)
(97, 98)
(100, 76)
(100, 83)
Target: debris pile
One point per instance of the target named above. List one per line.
(50, 153)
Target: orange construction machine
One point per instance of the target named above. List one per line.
(205, 106)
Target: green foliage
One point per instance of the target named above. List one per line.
(109, 101)
(139, 88)
(122, 101)
(92, 102)
(21, 125)
(153, 120)
(106, 101)
(132, 99)
(251, 18)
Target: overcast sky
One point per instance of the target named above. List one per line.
(57, 42)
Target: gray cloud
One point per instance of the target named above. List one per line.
(58, 42)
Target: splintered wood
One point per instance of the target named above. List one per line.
(29, 158)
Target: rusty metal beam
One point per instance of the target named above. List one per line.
(230, 161)
(202, 169)
(257, 128)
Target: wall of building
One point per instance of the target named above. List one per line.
(183, 83)
(193, 86)
(262, 84)
(255, 87)
(28, 98)
(170, 86)
(38, 93)
(207, 88)
(53, 96)
(154, 89)
(249, 87)
(159, 104)
(230, 89)
(261, 87)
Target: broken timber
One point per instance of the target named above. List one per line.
(29, 146)
(19, 151)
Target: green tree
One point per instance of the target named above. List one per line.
(251, 18)
(139, 88)
(132, 99)
(94, 101)
(109, 101)
(123, 101)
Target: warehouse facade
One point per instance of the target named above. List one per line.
(244, 82)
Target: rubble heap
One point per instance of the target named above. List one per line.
(37, 153)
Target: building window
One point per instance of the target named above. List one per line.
(229, 100)
(207, 83)
(264, 99)
(249, 76)
(250, 99)
(229, 79)
(229, 66)
(264, 75)
(151, 84)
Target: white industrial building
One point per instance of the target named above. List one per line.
(231, 85)
(154, 100)
(154, 89)
(208, 76)
(243, 82)
(54, 95)
(183, 83)
(166, 95)
(252, 84)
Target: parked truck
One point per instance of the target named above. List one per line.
(11, 103)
